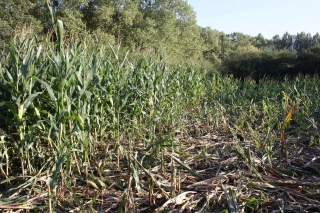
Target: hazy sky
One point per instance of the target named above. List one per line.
(269, 17)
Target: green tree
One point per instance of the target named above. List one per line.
(303, 41)
(14, 15)
(212, 44)
(112, 20)
(316, 39)
(276, 40)
(286, 41)
(260, 41)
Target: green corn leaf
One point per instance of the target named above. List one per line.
(193, 172)
(25, 64)
(249, 157)
(20, 111)
(49, 89)
(51, 12)
(79, 75)
(29, 100)
(39, 51)
(257, 143)
(60, 32)
(8, 180)
(53, 124)
(124, 102)
(80, 122)
(14, 201)
(136, 177)
(233, 206)
(88, 79)
(52, 180)
(37, 112)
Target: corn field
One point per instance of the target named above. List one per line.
(86, 128)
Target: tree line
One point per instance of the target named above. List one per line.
(279, 57)
(163, 27)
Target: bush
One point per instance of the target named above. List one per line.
(257, 64)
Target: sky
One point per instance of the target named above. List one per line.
(251, 17)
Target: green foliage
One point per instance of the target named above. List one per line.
(162, 27)
(212, 44)
(14, 15)
(257, 64)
